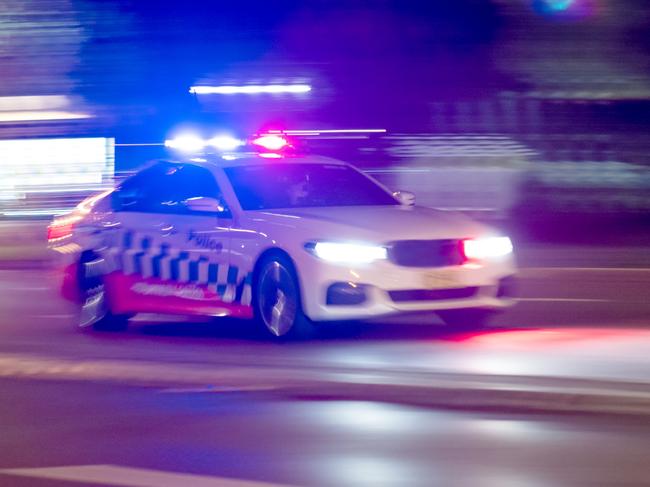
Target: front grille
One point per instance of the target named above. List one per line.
(432, 294)
(426, 253)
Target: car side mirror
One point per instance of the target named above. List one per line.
(203, 204)
(406, 198)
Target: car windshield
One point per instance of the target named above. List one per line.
(295, 185)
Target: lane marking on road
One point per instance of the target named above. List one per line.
(55, 316)
(568, 300)
(583, 269)
(139, 372)
(131, 477)
(215, 389)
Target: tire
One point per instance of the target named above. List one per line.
(467, 319)
(94, 310)
(276, 299)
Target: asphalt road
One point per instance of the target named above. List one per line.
(116, 435)
(573, 312)
(589, 322)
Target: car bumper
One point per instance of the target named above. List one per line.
(372, 291)
(63, 261)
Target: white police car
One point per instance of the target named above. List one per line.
(288, 241)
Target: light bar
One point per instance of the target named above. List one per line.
(186, 143)
(249, 89)
(194, 143)
(40, 115)
(225, 142)
(271, 142)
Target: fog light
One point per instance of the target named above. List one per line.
(346, 294)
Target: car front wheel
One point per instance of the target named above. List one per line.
(277, 303)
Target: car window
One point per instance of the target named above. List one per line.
(138, 193)
(164, 187)
(295, 185)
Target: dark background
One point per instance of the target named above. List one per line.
(569, 80)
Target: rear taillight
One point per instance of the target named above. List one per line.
(62, 228)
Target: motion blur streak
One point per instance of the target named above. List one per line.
(249, 89)
(332, 131)
(48, 102)
(40, 116)
(38, 108)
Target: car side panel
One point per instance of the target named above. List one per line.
(154, 295)
(147, 271)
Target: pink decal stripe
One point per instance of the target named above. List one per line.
(134, 294)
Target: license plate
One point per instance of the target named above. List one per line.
(441, 280)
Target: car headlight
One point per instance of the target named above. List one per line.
(487, 248)
(347, 253)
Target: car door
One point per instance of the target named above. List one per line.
(203, 232)
(170, 258)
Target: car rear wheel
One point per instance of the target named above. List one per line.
(277, 302)
(94, 309)
(466, 319)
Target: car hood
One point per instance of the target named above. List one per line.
(378, 223)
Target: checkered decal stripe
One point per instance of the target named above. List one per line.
(133, 253)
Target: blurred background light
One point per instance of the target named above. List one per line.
(36, 174)
(558, 5)
(554, 6)
(249, 89)
(47, 102)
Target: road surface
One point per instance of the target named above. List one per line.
(116, 435)
(149, 406)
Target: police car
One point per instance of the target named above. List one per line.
(288, 241)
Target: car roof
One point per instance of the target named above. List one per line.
(256, 160)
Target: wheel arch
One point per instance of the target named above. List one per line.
(276, 252)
